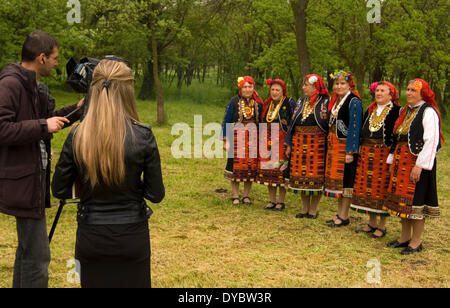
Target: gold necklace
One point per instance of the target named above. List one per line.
(411, 114)
(335, 111)
(247, 111)
(376, 122)
(271, 113)
(307, 110)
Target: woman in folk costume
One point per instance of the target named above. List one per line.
(343, 145)
(412, 192)
(240, 135)
(306, 145)
(372, 175)
(273, 164)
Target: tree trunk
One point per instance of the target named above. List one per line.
(148, 85)
(360, 74)
(295, 84)
(205, 69)
(299, 10)
(158, 85)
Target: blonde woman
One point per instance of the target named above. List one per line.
(109, 151)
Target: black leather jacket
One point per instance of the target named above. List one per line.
(105, 205)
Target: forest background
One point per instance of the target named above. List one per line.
(169, 42)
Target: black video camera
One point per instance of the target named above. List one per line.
(80, 76)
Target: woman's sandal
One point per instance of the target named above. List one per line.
(309, 216)
(383, 233)
(342, 224)
(249, 202)
(283, 206)
(332, 220)
(236, 199)
(397, 244)
(270, 206)
(372, 230)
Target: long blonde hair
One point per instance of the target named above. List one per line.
(99, 140)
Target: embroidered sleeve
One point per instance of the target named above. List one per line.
(354, 128)
(431, 137)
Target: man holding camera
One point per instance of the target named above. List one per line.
(27, 122)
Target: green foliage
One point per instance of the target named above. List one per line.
(240, 37)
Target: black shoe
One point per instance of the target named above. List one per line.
(409, 250)
(372, 230)
(271, 206)
(309, 216)
(301, 215)
(236, 199)
(249, 202)
(397, 244)
(283, 206)
(383, 233)
(331, 220)
(342, 224)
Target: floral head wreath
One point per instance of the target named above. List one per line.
(349, 78)
(343, 74)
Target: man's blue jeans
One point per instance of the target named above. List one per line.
(32, 255)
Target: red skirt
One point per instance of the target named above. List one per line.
(243, 166)
(339, 176)
(407, 199)
(372, 179)
(272, 171)
(308, 159)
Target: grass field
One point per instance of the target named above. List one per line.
(200, 240)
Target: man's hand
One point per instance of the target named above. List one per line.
(415, 174)
(80, 103)
(55, 124)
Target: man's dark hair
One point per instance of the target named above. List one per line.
(37, 42)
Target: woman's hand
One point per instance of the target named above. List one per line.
(349, 158)
(288, 151)
(226, 145)
(415, 174)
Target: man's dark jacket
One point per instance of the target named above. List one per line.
(24, 108)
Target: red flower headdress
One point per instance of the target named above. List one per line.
(428, 96)
(321, 88)
(271, 82)
(393, 90)
(241, 82)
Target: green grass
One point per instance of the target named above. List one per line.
(200, 240)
